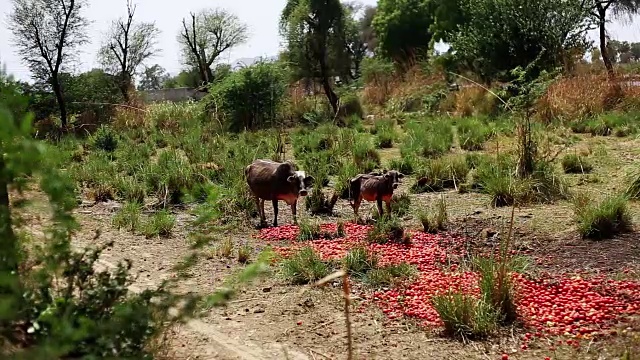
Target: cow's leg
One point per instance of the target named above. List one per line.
(294, 208)
(356, 207)
(263, 218)
(379, 202)
(388, 203)
(275, 212)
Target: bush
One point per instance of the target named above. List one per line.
(388, 229)
(249, 98)
(94, 315)
(385, 133)
(436, 218)
(633, 179)
(576, 164)
(365, 155)
(347, 171)
(406, 165)
(105, 139)
(604, 219)
(308, 230)
(304, 267)
(129, 189)
(464, 316)
(350, 106)
(472, 133)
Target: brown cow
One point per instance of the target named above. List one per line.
(270, 180)
(376, 187)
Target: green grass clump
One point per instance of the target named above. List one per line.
(159, 224)
(365, 156)
(603, 219)
(406, 164)
(309, 230)
(429, 138)
(472, 133)
(388, 276)
(360, 261)
(464, 316)
(105, 138)
(439, 174)
(388, 229)
(496, 287)
(434, 219)
(385, 133)
(128, 217)
(400, 204)
(576, 164)
(303, 267)
(633, 189)
(129, 189)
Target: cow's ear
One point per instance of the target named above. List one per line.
(292, 179)
(384, 171)
(400, 175)
(308, 181)
(387, 175)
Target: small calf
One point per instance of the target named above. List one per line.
(270, 180)
(374, 187)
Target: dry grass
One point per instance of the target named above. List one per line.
(583, 96)
(470, 100)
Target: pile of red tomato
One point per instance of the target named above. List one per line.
(549, 305)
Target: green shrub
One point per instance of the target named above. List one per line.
(159, 224)
(309, 230)
(464, 316)
(350, 106)
(304, 267)
(249, 98)
(576, 164)
(129, 189)
(365, 155)
(496, 287)
(318, 203)
(604, 219)
(633, 189)
(170, 177)
(347, 171)
(105, 139)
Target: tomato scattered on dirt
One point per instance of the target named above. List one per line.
(551, 305)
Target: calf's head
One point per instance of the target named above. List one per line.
(393, 177)
(301, 182)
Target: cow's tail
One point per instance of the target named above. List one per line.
(354, 191)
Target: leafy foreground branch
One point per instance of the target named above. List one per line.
(53, 301)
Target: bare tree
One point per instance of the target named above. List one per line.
(619, 9)
(46, 33)
(206, 36)
(127, 46)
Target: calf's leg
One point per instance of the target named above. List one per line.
(379, 202)
(275, 212)
(356, 206)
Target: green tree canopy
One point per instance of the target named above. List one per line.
(402, 28)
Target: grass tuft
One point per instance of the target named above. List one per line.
(464, 316)
(576, 164)
(304, 267)
(603, 219)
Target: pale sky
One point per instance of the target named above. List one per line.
(261, 16)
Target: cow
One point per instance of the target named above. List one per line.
(270, 180)
(374, 186)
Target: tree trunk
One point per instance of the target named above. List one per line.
(331, 95)
(57, 90)
(8, 254)
(124, 87)
(603, 40)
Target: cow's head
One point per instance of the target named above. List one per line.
(394, 177)
(301, 182)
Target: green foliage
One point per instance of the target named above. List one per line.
(159, 224)
(390, 275)
(388, 229)
(128, 217)
(94, 314)
(400, 204)
(364, 154)
(435, 219)
(441, 173)
(105, 139)
(309, 230)
(495, 36)
(350, 107)
(633, 189)
(304, 267)
(464, 316)
(428, 138)
(472, 133)
(407, 164)
(576, 164)
(249, 98)
(385, 133)
(360, 261)
(603, 219)
(403, 28)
